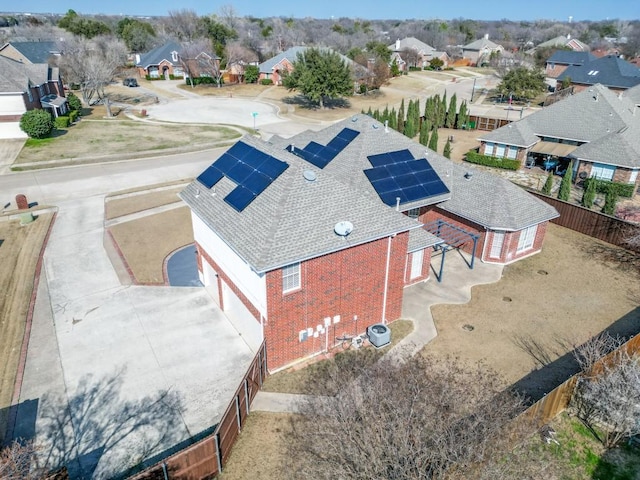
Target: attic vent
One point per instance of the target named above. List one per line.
(354, 119)
(309, 175)
(343, 228)
(468, 175)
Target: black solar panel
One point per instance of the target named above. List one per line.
(239, 198)
(398, 175)
(321, 155)
(210, 176)
(250, 169)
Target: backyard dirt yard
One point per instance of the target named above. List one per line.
(20, 247)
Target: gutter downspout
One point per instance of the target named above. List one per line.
(386, 281)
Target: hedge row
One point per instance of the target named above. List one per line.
(605, 186)
(201, 81)
(62, 122)
(266, 81)
(506, 163)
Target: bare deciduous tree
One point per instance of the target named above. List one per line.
(607, 395)
(237, 56)
(18, 462)
(423, 418)
(185, 24)
(93, 64)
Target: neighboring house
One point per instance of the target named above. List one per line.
(302, 240)
(274, 68)
(557, 63)
(26, 87)
(31, 52)
(598, 129)
(611, 71)
(563, 42)
(171, 59)
(425, 53)
(480, 51)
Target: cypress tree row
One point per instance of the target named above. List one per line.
(393, 119)
(400, 124)
(447, 149)
(589, 195)
(433, 141)
(451, 113)
(548, 185)
(565, 185)
(424, 133)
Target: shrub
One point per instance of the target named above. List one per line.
(565, 185)
(415, 69)
(251, 73)
(589, 195)
(75, 104)
(610, 200)
(37, 123)
(266, 81)
(507, 164)
(61, 122)
(73, 115)
(200, 81)
(548, 185)
(620, 189)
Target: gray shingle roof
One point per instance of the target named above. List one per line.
(36, 52)
(293, 219)
(16, 76)
(610, 71)
(158, 54)
(562, 41)
(413, 43)
(481, 44)
(292, 55)
(519, 134)
(601, 120)
(569, 57)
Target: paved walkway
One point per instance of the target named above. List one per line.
(455, 288)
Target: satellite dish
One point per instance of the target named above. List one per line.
(343, 228)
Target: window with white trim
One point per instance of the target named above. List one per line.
(291, 277)
(527, 237)
(602, 172)
(413, 212)
(633, 176)
(417, 258)
(500, 149)
(512, 153)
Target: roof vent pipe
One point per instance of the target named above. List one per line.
(397, 204)
(293, 147)
(468, 175)
(386, 126)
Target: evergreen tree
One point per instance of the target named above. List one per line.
(424, 133)
(442, 110)
(400, 123)
(610, 200)
(369, 112)
(376, 114)
(385, 114)
(565, 185)
(463, 116)
(393, 119)
(433, 141)
(548, 185)
(410, 127)
(447, 149)
(416, 112)
(589, 195)
(430, 110)
(451, 113)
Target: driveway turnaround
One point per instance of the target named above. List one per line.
(117, 374)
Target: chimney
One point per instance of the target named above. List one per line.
(397, 45)
(486, 36)
(568, 36)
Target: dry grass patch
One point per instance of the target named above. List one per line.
(260, 451)
(90, 138)
(526, 325)
(141, 200)
(20, 247)
(297, 379)
(146, 242)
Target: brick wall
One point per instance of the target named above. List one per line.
(347, 283)
(509, 252)
(436, 213)
(555, 71)
(426, 268)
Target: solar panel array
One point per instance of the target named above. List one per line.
(250, 169)
(399, 175)
(320, 155)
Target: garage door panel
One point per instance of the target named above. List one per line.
(241, 318)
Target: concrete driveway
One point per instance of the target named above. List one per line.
(116, 374)
(9, 151)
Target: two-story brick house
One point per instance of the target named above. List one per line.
(302, 240)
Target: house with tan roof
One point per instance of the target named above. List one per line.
(596, 128)
(303, 240)
(479, 51)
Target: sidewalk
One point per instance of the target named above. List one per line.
(455, 288)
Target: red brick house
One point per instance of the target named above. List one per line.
(596, 128)
(172, 60)
(302, 240)
(26, 87)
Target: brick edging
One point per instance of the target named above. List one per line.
(132, 277)
(17, 385)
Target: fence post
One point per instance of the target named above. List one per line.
(216, 437)
(238, 412)
(246, 394)
(260, 365)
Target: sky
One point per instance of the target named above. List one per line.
(364, 9)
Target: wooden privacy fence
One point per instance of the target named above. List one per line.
(556, 401)
(205, 458)
(597, 225)
(490, 123)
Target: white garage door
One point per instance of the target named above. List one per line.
(211, 281)
(11, 105)
(241, 318)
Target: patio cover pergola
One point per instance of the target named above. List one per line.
(453, 237)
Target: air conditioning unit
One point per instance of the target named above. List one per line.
(379, 335)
